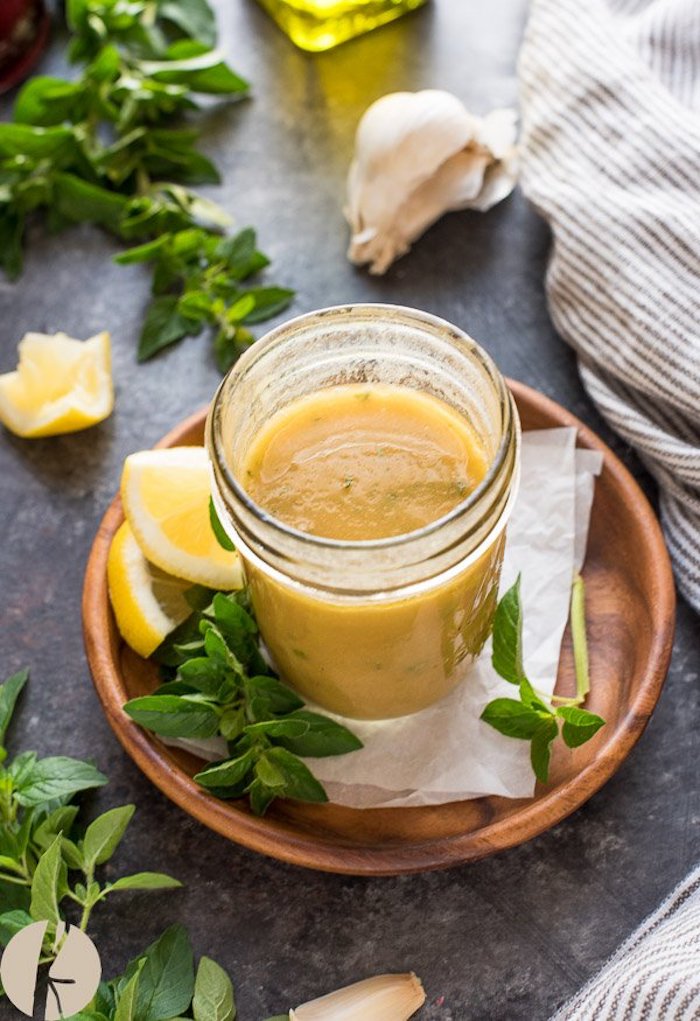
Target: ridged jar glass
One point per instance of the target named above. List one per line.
(378, 628)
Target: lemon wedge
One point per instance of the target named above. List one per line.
(148, 603)
(60, 385)
(165, 494)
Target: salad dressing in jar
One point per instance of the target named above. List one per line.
(365, 462)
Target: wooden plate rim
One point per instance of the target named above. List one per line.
(276, 837)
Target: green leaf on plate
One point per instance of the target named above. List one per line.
(541, 748)
(580, 725)
(507, 656)
(173, 716)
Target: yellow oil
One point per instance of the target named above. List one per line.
(321, 24)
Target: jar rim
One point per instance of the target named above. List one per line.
(418, 317)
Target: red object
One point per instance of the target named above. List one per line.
(24, 32)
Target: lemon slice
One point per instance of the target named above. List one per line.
(60, 385)
(165, 494)
(148, 603)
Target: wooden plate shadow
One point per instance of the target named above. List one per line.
(631, 612)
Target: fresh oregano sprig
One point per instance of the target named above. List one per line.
(49, 863)
(161, 983)
(112, 147)
(535, 717)
(197, 278)
(218, 683)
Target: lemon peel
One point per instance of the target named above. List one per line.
(60, 385)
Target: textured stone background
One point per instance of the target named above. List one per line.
(507, 938)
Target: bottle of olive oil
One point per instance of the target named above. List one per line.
(321, 24)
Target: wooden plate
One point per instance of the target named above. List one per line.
(631, 609)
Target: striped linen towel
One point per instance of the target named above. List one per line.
(655, 975)
(610, 94)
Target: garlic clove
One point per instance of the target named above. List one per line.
(401, 141)
(419, 155)
(456, 185)
(382, 998)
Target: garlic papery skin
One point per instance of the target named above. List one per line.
(419, 155)
(383, 998)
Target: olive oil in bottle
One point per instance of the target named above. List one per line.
(321, 24)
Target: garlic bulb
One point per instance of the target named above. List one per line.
(419, 155)
(383, 998)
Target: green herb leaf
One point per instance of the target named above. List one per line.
(80, 201)
(218, 529)
(299, 781)
(200, 68)
(141, 253)
(217, 668)
(231, 773)
(28, 141)
(323, 736)
(531, 717)
(58, 821)
(166, 982)
(46, 101)
(268, 696)
(287, 728)
(102, 836)
(144, 881)
(194, 17)
(163, 326)
(510, 717)
(9, 693)
(12, 224)
(203, 674)
(173, 716)
(126, 1006)
(12, 922)
(45, 885)
(507, 656)
(213, 993)
(56, 777)
(529, 696)
(261, 797)
(267, 302)
(21, 766)
(72, 854)
(541, 748)
(580, 725)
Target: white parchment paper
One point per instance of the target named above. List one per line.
(446, 753)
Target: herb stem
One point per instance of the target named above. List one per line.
(561, 699)
(580, 641)
(13, 879)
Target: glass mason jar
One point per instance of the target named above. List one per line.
(320, 24)
(384, 627)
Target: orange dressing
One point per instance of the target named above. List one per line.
(361, 462)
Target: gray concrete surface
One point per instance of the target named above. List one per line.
(508, 938)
